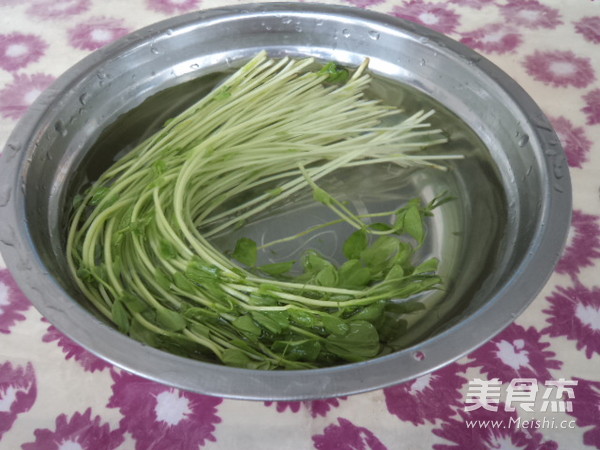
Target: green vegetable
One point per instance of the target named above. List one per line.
(139, 242)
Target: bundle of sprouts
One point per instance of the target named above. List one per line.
(140, 240)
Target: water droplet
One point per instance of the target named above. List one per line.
(195, 66)
(319, 22)
(268, 27)
(60, 128)
(228, 61)
(7, 236)
(473, 60)
(422, 62)
(286, 20)
(11, 150)
(374, 35)
(154, 50)
(558, 169)
(101, 75)
(83, 98)
(169, 32)
(5, 194)
(298, 29)
(346, 33)
(523, 140)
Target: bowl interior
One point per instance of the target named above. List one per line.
(485, 238)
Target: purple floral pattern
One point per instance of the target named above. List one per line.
(428, 398)
(560, 68)
(575, 314)
(494, 38)
(583, 244)
(347, 436)
(12, 302)
(531, 14)
(589, 28)
(364, 3)
(479, 437)
(81, 431)
(163, 418)
(547, 46)
(476, 4)
(592, 107)
(18, 50)
(586, 410)
(17, 96)
(316, 407)
(85, 359)
(516, 353)
(173, 6)
(574, 141)
(58, 9)
(18, 392)
(96, 32)
(436, 16)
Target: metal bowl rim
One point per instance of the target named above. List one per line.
(92, 334)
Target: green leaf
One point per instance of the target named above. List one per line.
(404, 255)
(258, 299)
(142, 334)
(247, 325)
(159, 167)
(334, 325)
(413, 223)
(314, 263)
(380, 226)
(440, 200)
(305, 349)
(355, 244)
(120, 316)
(327, 276)
(360, 343)
(170, 320)
(370, 313)
(335, 74)
(405, 307)
(277, 268)
(352, 274)
(77, 201)
(134, 303)
(302, 318)
(167, 250)
(273, 321)
(200, 272)
(199, 329)
(183, 283)
(381, 253)
(85, 275)
(235, 357)
(428, 266)
(99, 193)
(246, 252)
(199, 314)
(162, 278)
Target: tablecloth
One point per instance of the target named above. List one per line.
(56, 395)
